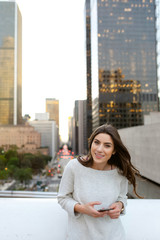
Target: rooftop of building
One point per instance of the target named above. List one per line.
(38, 216)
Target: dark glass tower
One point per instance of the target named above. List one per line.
(10, 64)
(158, 44)
(88, 63)
(124, 67)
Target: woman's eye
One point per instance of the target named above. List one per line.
(107, 145)
(96, 142)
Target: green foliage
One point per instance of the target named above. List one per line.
(3, 162)
(26, 162)
(38, 163)
(10, 153)
(13, 161)
(25, 159)
(23, 174)
(21, 165)
(4, 174)
(12, 169)
(1, 150)
(46, 158)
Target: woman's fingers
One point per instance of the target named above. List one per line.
(94, 203)
(115, 212)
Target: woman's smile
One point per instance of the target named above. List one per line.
(99, 155)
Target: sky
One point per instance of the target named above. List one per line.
(53, 56)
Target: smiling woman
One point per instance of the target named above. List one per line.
(93, 189)
(102, 149)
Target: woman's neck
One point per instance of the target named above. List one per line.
(102, 167)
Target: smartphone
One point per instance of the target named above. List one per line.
(104, 209)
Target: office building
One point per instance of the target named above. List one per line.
(88, 69)
(80, 143)
(24, 137)
(10, 63)
(49, 135)
(70, 132)
(124, 64)
(158, 44)
(42, 116)
(52, 107)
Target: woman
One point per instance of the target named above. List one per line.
(93, 188)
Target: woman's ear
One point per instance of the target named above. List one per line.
(114, 152)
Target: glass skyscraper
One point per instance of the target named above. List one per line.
(158, 42)
(123, 61)
(88, 60)
(10, 64)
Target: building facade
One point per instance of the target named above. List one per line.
(158, 44)
(42, 116)
(10, 63)
(22, 136)
(123, 61)
(49, 135)
(143, 145)
(80, 143)
(70, 132)
(52, 107)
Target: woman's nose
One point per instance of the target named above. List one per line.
(100, 147)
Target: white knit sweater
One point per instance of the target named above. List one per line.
(80, 184)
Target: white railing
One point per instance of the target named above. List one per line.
(27, 194)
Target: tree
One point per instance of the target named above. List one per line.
(4, 174)
(3, 162)
(10, 153)
(26, 162)
(46, 158)
(13, 161)
(37, 163)
(1, 150)
(23, 174)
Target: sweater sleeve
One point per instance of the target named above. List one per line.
(123, 193)
(66, 188)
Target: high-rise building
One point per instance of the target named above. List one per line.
(88, 61)
(70, 132)
(10, 63)
(80, 143)
(124, 64)
(49, 135)
(52, 107)
(158, 44)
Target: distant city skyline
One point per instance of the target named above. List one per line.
(53, 56)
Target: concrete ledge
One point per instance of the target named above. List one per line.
(43, 218)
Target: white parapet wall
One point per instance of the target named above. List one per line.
(44, 219)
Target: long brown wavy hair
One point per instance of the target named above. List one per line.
(121, 159)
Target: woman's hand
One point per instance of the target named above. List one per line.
(89, 209)
(117, 207)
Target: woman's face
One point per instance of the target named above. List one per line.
(102, 149)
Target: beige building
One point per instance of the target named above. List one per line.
(52, 107)
(23, 136)
(143, 144)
